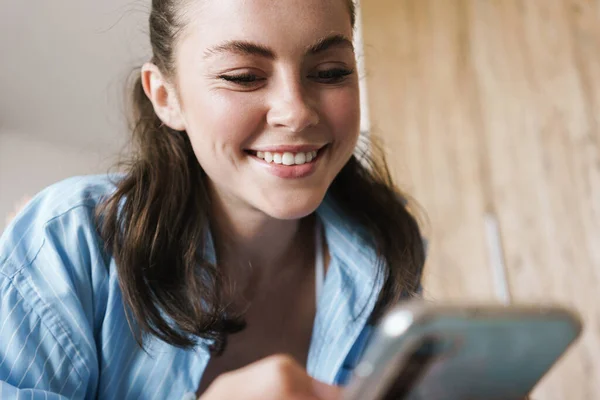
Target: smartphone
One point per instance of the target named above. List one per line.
(423, 351)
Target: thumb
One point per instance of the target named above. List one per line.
(326, 392)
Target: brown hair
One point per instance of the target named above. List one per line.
(155, 224)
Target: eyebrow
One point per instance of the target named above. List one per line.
(243, 47)
(328, 42)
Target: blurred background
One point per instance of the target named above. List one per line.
(489, 109)
(63, 68)
(491, 113)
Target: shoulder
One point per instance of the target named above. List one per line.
(62, 214)
(54, 286)
(52, 257)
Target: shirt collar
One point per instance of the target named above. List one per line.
(352, 286)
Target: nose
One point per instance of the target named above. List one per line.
(292, 108)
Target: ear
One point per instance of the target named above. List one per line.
(163, 97)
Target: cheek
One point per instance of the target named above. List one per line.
(342, 113)
(225, 120)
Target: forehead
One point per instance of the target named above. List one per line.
(283, 25)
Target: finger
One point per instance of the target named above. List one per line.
(324, 391)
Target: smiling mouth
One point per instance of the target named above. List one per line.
(286, 158)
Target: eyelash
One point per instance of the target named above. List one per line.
(241, 79)
(338, 74)
(335, 75)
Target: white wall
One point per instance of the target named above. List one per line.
(64, 65)
(29, 164)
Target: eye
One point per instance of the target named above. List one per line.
(242, 79)
(331, 76)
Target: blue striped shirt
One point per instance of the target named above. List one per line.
(63, 331)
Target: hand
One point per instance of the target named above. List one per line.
(274, 378)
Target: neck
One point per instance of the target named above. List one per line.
(251, 246)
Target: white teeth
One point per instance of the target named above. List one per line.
(300, 159)
(287, 158)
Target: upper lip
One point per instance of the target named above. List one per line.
(304, 148)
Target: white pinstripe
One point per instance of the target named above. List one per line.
(57, 369)
(338, 293)
(135, 376)
(74, 347)
(65, 239)
(74, 193)
(110, 335)
(325, 318)
(9, 314)
(112, 355)
(20, 351)
(34, 356)
(103, 283)
(332, 325)
(67, 309)
(67, 380)
(164, 376)
(44, 366)
(13, 336)
(16, 246)
(8, 291)
(77, 388)
(336, 340)
(131, 356)
(342, 237)
(149, 377)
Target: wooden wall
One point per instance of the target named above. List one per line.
(491, 109)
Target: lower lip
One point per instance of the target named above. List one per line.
(290, 171)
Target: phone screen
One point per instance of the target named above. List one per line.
(413, 369)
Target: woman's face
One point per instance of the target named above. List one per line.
(268, 93)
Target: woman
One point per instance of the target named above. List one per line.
(201, 269)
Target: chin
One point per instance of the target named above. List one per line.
(293, 207)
